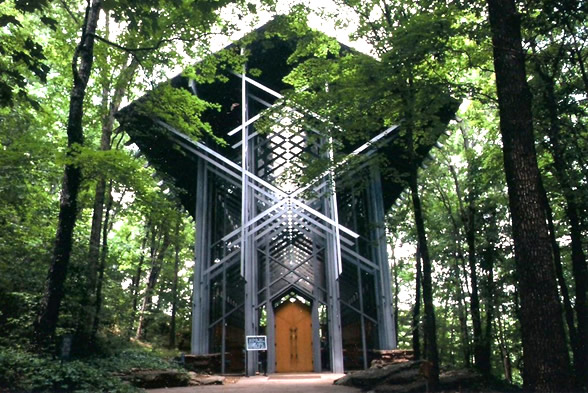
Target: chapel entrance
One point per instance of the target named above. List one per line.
(293, 337)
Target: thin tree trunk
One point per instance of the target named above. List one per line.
(486, 346)
(430, 330)
(172, 323)
(416, 310)
(147, 296)
(580, 274)
(504, 351)
(111, 104)
(157, 263)
(489, 301)
(459, 257)
(102, 265)
(84, 54)
(395, 294)
(462, 316)
(475, 299)
(87, 319)
(563, 287)
(137, 277)
(177, 249)
(546, 360)
(467, 218)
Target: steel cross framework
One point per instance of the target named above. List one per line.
(259, 241)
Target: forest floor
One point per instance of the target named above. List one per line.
(411, 377)
(403, 377)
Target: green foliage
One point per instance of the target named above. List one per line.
(20, 370)
(132, 358)
(180, 109)
(22, 57)
(17, 313)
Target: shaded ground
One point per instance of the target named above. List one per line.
(412, 377)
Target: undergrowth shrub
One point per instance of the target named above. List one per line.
(21, 371)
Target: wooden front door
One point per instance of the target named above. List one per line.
(293, 338)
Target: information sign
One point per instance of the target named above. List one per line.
(256, 343)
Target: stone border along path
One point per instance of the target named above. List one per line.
(282, 383)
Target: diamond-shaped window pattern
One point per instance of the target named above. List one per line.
(264, 239)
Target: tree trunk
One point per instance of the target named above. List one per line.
(581, 280)
(563, 287)
(546, 360)
(111, 104)
(416, 310)
(102, 265)
(137, 278)
(430, 330)
(475, 299)
(396, 292)
(458, 257)
(84, 53)
(489, 256)
(485, 365)
(462, 315)
(578, 339)
(89, 303)
(504, 351)
(156, 265)
(147, 296)
(172, 322)
(467, 218)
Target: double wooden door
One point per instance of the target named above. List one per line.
(293, 338)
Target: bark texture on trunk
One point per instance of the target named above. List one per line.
(81, 67)
(546, 360)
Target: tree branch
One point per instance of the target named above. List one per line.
(132, 50)
(71, 14)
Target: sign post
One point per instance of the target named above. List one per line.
(66, 344)
(257, 343)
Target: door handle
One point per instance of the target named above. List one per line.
(291, 343)
(296, 341)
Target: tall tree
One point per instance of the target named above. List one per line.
(546, 361)
(82, 61)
